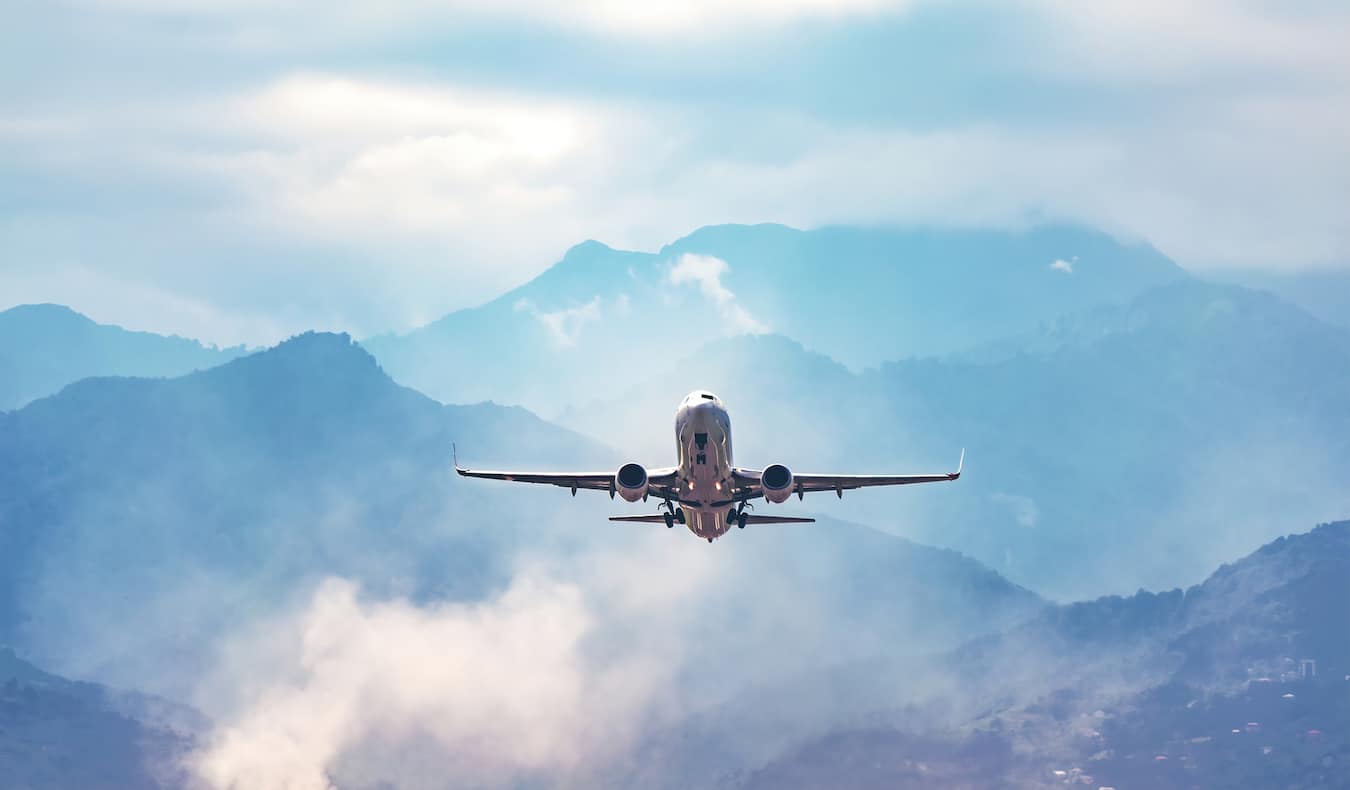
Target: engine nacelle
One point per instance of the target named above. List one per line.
(631, 482)
(776, 481)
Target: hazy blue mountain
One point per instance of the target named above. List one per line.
(57, 734)
(1324, 293)
(1126, 446)
(1202, 688)
(601, 318)
(201, 500)
(44, 347)
(205, 501)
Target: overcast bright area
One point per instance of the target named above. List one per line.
(237, 171)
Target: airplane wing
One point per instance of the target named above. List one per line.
(747, 481)
(660, 482)
(750, 518)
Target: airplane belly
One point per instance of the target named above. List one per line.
(706, 522)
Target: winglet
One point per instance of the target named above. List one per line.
(454, 455)
(959, 465)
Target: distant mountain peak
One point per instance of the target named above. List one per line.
(333, 358)
(45, 309)
(586, 248)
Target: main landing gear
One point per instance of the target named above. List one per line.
(737, 516)
(673, 514)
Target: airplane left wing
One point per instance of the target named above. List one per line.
(660, 482)
(749, 482)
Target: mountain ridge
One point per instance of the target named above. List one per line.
(554, 339)
(44, 347)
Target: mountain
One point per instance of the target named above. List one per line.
(1124, 446)
(44, 347)
(209, 501)
(153, 526)
(601, 317)
(199, 501)
(1236, 682)
(1238, 679)
(1324, 293)
(56, 734)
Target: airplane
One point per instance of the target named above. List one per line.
(705, 491)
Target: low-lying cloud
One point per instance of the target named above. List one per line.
(539, 680)
(706, 272)
(564, 326)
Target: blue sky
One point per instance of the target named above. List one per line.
(238, 170)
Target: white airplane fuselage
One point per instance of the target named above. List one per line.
(703, 447)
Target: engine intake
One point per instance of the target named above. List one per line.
(631, 482)
(776, 481)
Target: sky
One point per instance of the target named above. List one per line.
(241, 170)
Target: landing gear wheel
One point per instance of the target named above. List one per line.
(679, 514)
(670, 521)
(710, 540)
(740, 520)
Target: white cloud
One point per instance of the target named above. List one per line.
(551, 678)
(564, 326)
(706, 271)
(1161, 41)
(1024, 509)
(264, 20)
(1061, 265)
(374, 200)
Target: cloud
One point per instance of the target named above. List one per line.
(1061, 265)
(604, 17)
(551, 678)
(564, 326)
(285, 187)
(1023, 508)
(706, 271)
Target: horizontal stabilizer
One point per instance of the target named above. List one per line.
(749, 519)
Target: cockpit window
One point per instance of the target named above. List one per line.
(709, 396)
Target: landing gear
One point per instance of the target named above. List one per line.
(737, 515)
(710, 540)
(672, 514)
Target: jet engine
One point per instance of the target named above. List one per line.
(776, 480)
(631, 482)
